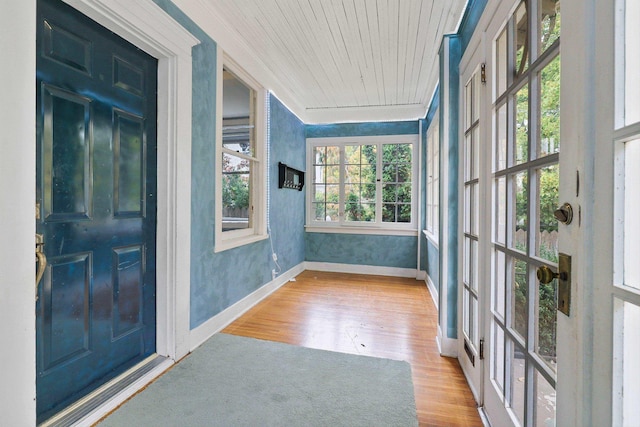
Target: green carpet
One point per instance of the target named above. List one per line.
(237, 381)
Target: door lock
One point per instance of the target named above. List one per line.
(564, 214)
(546, 275)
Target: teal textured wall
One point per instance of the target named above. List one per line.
(362, 249)
(219, 280)
(362, 129)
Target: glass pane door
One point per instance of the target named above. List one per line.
(525, 180)
(469, 353)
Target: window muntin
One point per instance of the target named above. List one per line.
(240, 200)
(362, 182)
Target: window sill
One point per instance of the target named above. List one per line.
(361, 230)
(237, 242)
(431, 237)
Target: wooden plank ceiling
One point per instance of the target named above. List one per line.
(338, 57)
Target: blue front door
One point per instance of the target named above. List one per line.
(96, 197)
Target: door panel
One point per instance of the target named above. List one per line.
(524, 173)
(96, 157)
(472, 229)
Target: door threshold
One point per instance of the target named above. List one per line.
(99, 403)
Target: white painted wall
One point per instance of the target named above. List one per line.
(17, 210)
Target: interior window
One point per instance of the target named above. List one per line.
(240, 199)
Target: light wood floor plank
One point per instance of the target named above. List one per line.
(374, 316)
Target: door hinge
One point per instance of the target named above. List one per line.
(483, 73)
(481, 355)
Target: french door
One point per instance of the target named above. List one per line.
(474, 235)
(523, 43)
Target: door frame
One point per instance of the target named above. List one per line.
(147, 26)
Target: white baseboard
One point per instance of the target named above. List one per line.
(360, 269)
(448, 347)
(218, 322)
(432, 290)
(421, 275)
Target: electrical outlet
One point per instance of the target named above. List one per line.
(273, 274)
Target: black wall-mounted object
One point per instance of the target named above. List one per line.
(289, 177)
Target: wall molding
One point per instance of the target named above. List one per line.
(360, 269)
(221, 320)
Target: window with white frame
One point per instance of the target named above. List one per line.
(240, 189)
(433, 178)
(363, 182)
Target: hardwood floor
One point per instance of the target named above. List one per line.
(374, 316)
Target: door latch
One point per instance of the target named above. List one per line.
(41, 260)
(564, 214)
(546, 275)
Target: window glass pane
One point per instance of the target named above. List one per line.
(519, 297)
(632, 62)
(549, 22)
(468, 152)
(473, 207)
(238, 122)
(547, 233)
(468, 100)
(521, 38)
(498, 280)
(236, 196)
(465, 312)
(498, 355)
(501, 139)
(466, 272)
(475, 153)
(547, 318)
(518, 373)
(474, 265)
(550, 109)
(501, 63)
(632, 214)
(475, 115)
(467, 210)
(500, 219)
(519, 214)
(521, 150)
(631, 364)
(545, 402)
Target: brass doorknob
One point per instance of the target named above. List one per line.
(546, 275)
